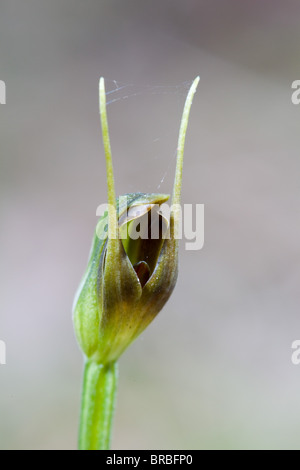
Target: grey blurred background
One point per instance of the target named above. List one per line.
(214, 369)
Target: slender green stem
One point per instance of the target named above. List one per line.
(176, 197)
(181, 141)
(111, 193)
(97, 406)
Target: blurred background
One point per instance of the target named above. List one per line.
(214, 369)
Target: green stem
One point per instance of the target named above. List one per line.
(97, 406)
(181, 142)
(111, 193)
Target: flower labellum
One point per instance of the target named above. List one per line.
(130, 274)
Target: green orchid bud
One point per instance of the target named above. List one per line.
(128, 279)
(131, 273)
